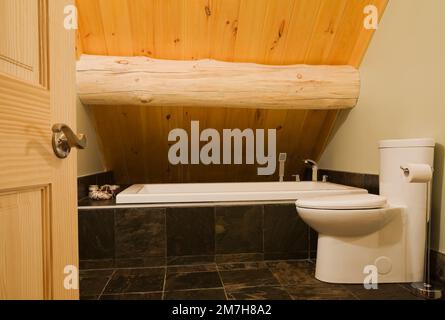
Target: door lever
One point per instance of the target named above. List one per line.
(64, 139)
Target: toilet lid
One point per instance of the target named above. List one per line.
(345, 202)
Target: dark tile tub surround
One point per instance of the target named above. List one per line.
(286, 235)
(239, 229)
(139, 237)
(148, 237)
(96, 236)
(190, 232)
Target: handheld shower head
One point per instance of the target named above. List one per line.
(282, 157)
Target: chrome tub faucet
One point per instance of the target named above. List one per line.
(314, 166)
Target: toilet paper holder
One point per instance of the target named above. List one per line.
(406, 169)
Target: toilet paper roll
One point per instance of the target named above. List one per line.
(417, 173)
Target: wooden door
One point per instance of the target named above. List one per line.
(38, 219)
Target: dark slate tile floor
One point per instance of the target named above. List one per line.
(277, 280)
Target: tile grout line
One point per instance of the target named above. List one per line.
(165, 254)
(196, 289)
(222, 282)
(108, 282)
(273, 274)
(407, 289)
(129, 293)
(353, 294)
(309, 247)
(263, 229)
(164, 284)
(214, 238)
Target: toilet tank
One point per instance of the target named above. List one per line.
(396, 153)
(412, 196)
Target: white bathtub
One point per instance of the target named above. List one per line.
(229, 192)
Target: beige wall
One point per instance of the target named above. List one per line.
(403, 96)
(89, 160)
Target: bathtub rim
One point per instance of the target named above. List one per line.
(133, 199)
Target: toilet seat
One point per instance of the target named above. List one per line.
(344, 202)
(346, 215)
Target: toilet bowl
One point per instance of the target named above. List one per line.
(362, 235)
(355, 231)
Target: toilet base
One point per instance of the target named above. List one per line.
(353, 260)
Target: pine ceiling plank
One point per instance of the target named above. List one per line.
(117, 28)
(79, 47)
(349, 29)
(172, 118)
(189, 115)
(325, 133)
(154, 141)
(293, 129)
(130, 122)
(198, 16)
(250, 30)
(142, 27)
(91, 27)
(312, 126)
(276, 119)
(273, 38)
(301, 26)
(241, 119)
(364, 39)
(224, 29)
(328, 20)
(112, 140)
(169, 29)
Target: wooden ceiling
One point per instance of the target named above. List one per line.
(134, 139)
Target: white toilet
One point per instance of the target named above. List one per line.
(360, 231)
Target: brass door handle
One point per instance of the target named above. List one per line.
(64, 139)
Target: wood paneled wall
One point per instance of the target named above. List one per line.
(134, 139)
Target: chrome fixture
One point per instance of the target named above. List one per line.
(314, 166)
(282, 159)
(297, 177)
(64, 139)
(325, 178)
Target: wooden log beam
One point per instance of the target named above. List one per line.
(107, 80)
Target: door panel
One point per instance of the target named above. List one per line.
(38, 212)
(26, 155)
(23, 255)
(23, 32)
